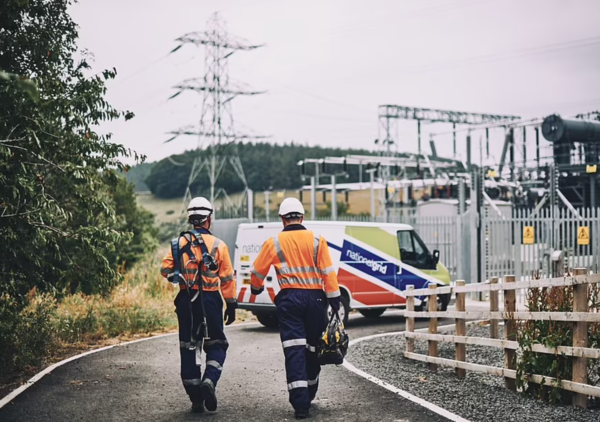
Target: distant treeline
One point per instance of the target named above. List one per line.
(266, 166)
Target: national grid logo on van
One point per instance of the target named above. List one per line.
(374, 265)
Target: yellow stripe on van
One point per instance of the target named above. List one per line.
(377, 238)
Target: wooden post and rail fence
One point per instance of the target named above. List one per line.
(580, 317)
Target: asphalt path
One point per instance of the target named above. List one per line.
(140, 382)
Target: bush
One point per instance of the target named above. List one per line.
(37, 325)
(552, 334)
(27, 334)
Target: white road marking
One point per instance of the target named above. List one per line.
(424, 403)
(15, 393)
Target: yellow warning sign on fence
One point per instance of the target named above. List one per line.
(591, 168)
(583, 235)
(528, 235)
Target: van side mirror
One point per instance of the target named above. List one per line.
(436, 257)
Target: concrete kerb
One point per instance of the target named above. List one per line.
(15, 393)
(417, 400)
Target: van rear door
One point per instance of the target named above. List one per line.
(248, 245)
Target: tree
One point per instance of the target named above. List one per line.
(58, 219)
(265, 166)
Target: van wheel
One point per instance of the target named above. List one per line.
(269, 319)
(344, 310)
(372, 313)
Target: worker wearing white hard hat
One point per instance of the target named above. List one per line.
(198, 251)
(307, 282)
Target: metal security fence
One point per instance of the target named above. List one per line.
(543, 243)
(528, 243)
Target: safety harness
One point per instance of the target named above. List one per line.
(194, 239)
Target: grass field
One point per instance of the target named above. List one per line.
(164, 210)
(167, 210)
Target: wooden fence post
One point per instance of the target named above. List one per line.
(494, 332)
(410, 321)
(433, 345)
(580, 337)
(461, 329)
(510, 332)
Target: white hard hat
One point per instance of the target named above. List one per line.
(200, 206)
(291, 206)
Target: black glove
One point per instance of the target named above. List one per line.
(334, 302)
(230, 313)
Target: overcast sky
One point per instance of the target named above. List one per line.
(328, 64)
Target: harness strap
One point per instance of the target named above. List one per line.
(176, 261)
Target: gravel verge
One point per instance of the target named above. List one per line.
(478, 397)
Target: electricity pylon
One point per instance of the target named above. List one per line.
(215, 129)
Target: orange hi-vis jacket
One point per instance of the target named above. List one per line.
(301, 261)
(189, 268)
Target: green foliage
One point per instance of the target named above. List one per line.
(265, 165)
(66, 217)
(138, 174)
(136, 221)
(37, 325)
(553, 334)
(137, 319)
(25, 84)
(26, 334)
(343, 209)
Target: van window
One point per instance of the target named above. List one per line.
(413, 251)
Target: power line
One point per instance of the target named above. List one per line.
(142, 69)
(577, 103)
(545, 49)
(322, 98)
(323, 117)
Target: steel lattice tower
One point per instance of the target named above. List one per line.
(215, 129)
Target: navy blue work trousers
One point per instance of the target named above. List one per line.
(190, 339)
(302, 315)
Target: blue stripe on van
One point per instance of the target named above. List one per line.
(332, 246)
(377, 267)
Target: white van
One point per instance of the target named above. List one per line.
(374, 264)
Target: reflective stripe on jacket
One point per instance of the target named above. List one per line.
(301, 261)
(211, 282)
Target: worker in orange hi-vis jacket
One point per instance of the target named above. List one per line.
(198, 257)
(308, 282)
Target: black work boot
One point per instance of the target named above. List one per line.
(198, 405)
(301, 413)
(208, 392)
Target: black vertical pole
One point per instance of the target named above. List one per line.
(593, 191)
(524, 147)
(454, 139)
(487, 142)
(419, 146)
(511, 156)
(419, 129)
(468, 151)
(537, 149)
(478, 179)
